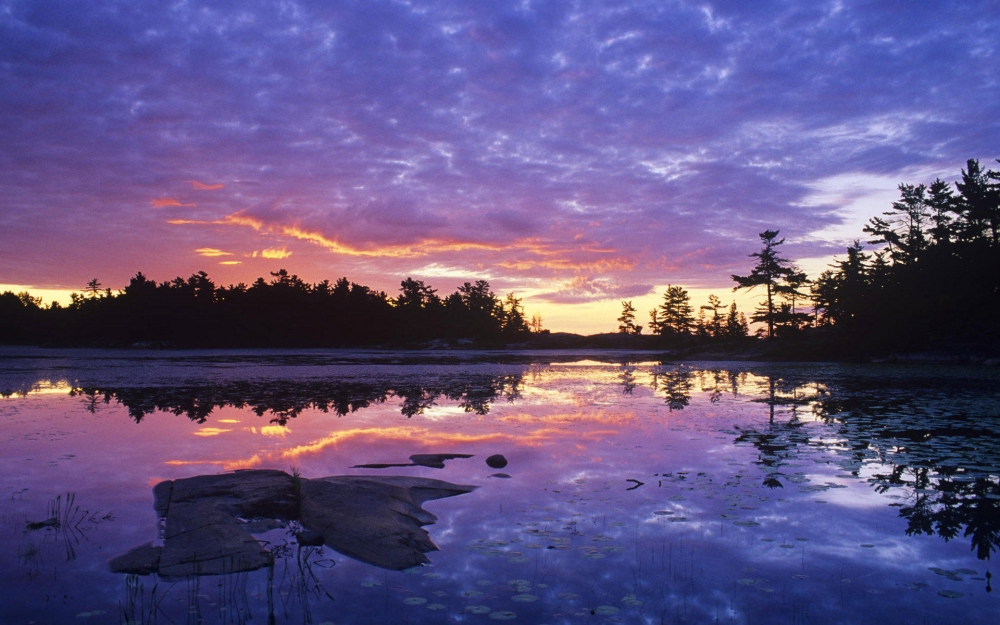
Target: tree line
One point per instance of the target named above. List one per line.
(284, 311)
(933, 280)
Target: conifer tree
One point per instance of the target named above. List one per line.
(626, 323)
(770, 272)
(676, 315)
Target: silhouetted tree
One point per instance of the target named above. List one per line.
(676, 315)
(626, 323)
(769, 272)
(713, 326)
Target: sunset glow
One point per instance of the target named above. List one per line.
(574, 154)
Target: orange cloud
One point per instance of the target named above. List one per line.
(272, 252)
(554, 256)
(231, 262)
(163, 202)
(201, 186)
(209, 251)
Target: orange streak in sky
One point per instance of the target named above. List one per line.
(201, 186)
(163, 202)
(554, 255)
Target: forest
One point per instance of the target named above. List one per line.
(930, 280)
(927, 277)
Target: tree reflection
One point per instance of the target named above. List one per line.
(939, 456)
(283, 400)
(675, 384)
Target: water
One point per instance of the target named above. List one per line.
(636, 490)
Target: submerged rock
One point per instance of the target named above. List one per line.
(432, 461)
(374, 519)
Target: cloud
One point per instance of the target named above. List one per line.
(163, 202)
(272, 253)
(212, 252)
(588, 289)
(635, 142)
(201, 186)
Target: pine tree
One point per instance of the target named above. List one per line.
(626, 323)
(676, 315)
(714, 325)
(770, 271)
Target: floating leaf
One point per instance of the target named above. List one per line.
(503, 616)
(478, 609)
(606, 610)
(525, 598)
(371, 584)
(951, 594)
(436, 606)
(414, 601)
(471, 593)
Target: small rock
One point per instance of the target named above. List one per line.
(496, 461)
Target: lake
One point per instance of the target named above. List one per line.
(631, 489)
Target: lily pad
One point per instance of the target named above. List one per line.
(606, 610)
(951, 594)
(478, 609)
(503, 615)
(525, 598)
(414, 601)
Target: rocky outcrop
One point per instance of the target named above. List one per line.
(209, 520)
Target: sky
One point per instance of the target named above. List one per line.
(574, 153)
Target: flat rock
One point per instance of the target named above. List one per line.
(142, 560)
(375, 519)
(209, 520)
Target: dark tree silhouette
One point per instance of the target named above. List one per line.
(626, 323)
(770, 272)
(675, 313)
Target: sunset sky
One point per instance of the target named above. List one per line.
(575, 153)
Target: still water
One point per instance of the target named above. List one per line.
(635, 490)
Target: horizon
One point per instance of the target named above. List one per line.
(577, 157)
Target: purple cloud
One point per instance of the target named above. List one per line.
(611, 142)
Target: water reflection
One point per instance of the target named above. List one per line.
(943, 462)
(747, 493)
(286, 399)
